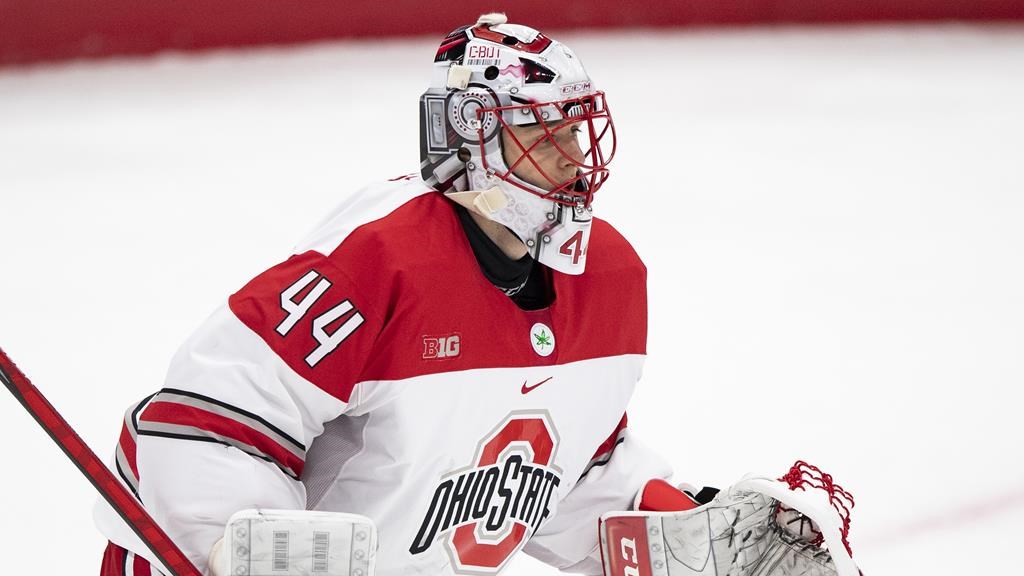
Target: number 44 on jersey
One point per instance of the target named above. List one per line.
(327, 341)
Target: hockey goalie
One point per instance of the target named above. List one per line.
(437, 378)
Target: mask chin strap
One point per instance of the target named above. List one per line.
(486, 202)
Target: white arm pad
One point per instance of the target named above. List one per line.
(295, 543)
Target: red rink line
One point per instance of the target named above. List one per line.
(950, 519)
(45, 30)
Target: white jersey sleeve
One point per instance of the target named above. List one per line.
(243, 400)
(246, 395)
(619, 469)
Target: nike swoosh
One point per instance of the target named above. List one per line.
(528, 389)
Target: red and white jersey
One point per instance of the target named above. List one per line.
(377, 371)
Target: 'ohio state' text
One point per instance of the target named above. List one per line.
(510, 490)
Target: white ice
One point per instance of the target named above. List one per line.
(832, 218)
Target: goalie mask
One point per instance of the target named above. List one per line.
(512, 128)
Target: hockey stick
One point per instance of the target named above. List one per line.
(89, 464)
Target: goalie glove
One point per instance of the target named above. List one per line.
(758, 527)
(295, 543)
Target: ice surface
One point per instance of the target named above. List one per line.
(831, 218)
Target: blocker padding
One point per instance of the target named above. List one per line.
(47, 30)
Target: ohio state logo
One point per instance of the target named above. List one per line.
(489, 510)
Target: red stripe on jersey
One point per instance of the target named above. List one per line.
(127, 444)
(142, 566)
(113, 560)
(217, 425)
(608, 445)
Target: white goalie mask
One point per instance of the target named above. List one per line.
(488, 78)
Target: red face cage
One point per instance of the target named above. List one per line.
(590, 152)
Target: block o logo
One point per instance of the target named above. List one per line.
(490, 509)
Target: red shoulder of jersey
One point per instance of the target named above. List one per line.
(372, 307)
(322, 309)
(311, 315)
(607, 304)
